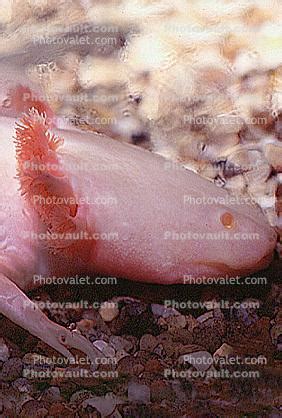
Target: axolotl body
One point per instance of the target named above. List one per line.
(52, 224)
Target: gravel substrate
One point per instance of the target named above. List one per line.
(220, 359)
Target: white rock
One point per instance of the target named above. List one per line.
(105, 348)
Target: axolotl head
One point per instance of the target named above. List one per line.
(226, 236)
(233, 236)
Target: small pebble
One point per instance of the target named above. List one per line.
(34, 359)
(170, 347)
(224, 351)
(106, 348)
(120, 343)
(205, 316)
(85, 325)
(59, 409)
(138, 393)
(78, 397)
(121, 354)
(148, 342)
(4, 351)
(52, 394)
(109, 312)
(191, 322)
(200, 360)
(209, 334)
(33, 409)
(12, 369)
(104, 404)
(161, 310)
(134, 319)
(23, 385)
(247, 311)
(154, 366)
(130, 366)
(182, 336)
(160, 351)
(178, 321)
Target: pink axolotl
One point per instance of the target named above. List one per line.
(50, 224)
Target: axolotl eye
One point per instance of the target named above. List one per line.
(227, 220)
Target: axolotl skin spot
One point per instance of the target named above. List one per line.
(136, 238)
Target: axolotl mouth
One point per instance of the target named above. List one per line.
(221, 269)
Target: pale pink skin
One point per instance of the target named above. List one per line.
(149, 200)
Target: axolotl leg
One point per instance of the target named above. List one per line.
(16, 306)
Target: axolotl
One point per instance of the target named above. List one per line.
(51, 224)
